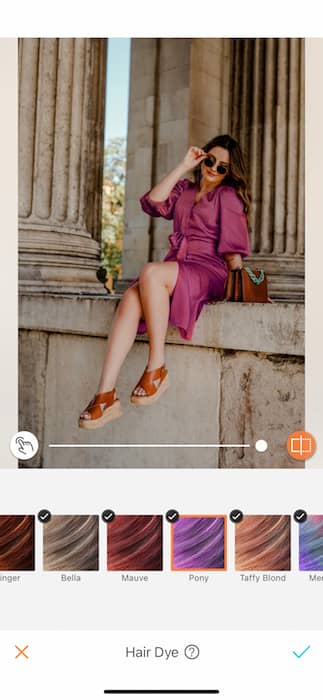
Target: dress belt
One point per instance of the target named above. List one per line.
(183, 245)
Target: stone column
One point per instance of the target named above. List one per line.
(61, 121)
(185, 91)
(179, 96)
(209, 88)
(137, 238)
(267, 117)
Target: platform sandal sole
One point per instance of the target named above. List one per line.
(109, 414)
(147, 400)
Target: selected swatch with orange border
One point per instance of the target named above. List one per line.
(198, 543)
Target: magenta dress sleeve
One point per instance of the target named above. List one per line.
(165, 208)
(234, 236)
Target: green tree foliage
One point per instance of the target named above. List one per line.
(113, 208)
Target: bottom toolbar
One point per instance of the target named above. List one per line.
(92, 665)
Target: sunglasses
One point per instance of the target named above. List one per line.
(210, 160)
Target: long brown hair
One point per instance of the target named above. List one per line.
(237, 175)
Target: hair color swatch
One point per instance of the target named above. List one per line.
(17, 543)
(71, 543)
(311, 544)
(135, 543)
(262, 543)
(198, 542)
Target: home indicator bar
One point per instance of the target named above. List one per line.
(162, 692)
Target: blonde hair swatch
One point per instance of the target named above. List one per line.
(71, 543)
(262, 543)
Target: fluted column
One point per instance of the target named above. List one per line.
(179, 95)
(185, 91)
(143, 105)
(61, 119)
(267, 117)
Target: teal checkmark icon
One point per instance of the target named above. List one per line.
(299, 656)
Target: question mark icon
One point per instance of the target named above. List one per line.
(192, 651)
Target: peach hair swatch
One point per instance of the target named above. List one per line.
(262, 543)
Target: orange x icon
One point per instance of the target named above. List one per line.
(21, 652)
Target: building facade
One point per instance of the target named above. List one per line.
(182, 92)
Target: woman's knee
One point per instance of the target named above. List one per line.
(130, 299)
(149, 272)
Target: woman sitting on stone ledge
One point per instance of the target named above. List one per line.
(210, 236)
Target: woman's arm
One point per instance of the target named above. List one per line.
(162, 190)
(233, 261)
(234, 244)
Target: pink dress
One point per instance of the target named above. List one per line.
(203, 233)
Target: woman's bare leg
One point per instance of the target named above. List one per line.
(120, 341)
(156, 284)
(150, 298)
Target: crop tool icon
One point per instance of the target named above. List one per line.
(301, 445)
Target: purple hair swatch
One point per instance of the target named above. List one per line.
(311, 544)
(198, 543)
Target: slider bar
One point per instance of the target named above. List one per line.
(172, 446)
(162, 692)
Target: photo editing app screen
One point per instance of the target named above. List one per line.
(161, 509)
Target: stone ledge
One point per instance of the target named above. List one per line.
(268, 328)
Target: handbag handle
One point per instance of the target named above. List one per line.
(253, 277)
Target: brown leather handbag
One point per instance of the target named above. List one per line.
(247, 285)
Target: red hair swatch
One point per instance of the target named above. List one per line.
(17, 542)
(135, 543)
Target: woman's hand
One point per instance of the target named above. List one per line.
(193, 157)
(162, 190)
(234, 261)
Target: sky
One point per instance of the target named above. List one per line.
(118, 62)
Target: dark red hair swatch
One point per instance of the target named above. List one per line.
(262, 543)
(135, 543)
(17, 543)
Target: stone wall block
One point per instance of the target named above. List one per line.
(262, 397)
(33, 347)
(171, 421)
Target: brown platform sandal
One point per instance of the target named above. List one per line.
(102, 409)
(154, 382)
